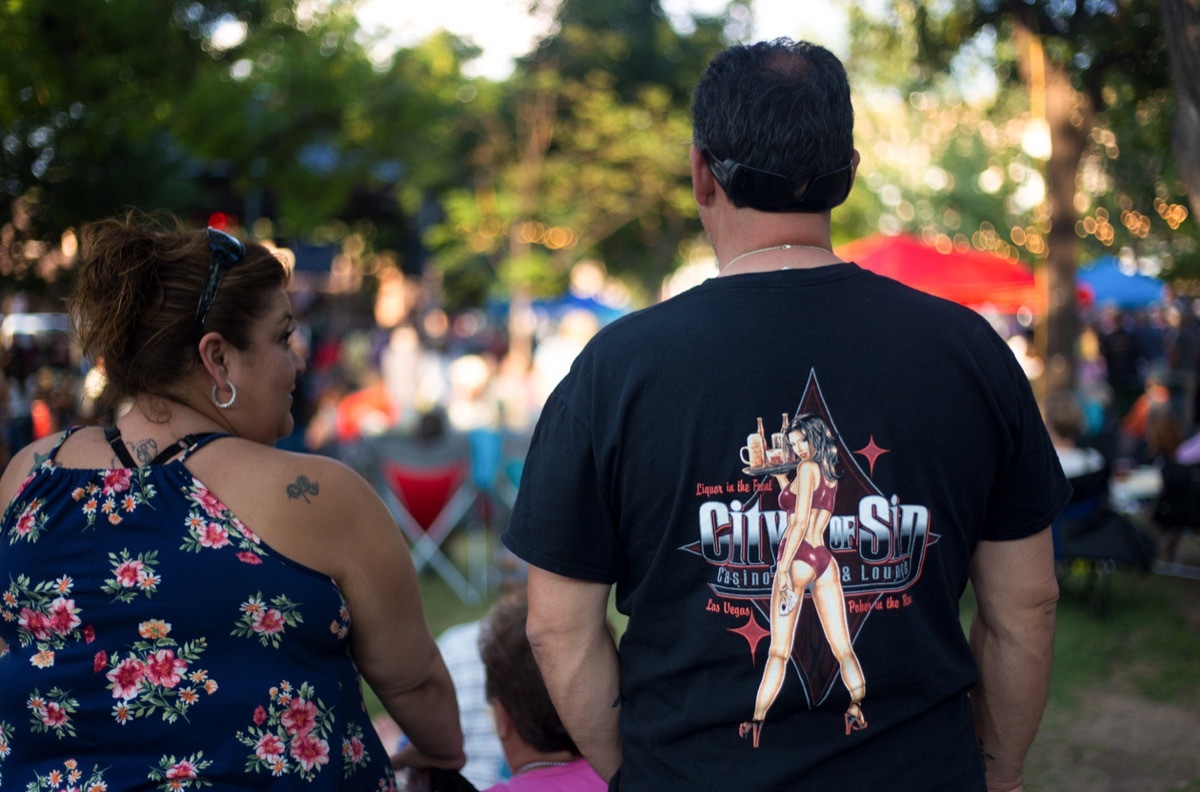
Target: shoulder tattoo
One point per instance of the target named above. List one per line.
(302, 488)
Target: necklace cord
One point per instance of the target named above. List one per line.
(538, 765)
(741, 256)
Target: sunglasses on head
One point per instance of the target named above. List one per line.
(225, 250)
(767, 191)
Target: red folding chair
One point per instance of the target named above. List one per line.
(430, 493)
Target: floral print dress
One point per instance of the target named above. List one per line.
(154, 642)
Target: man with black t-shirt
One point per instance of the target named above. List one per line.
(791, 472)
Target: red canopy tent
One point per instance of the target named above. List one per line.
(969, 277)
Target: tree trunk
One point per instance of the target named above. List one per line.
(1069, 117)
(1181, 27)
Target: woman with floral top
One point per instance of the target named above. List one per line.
(182, 605)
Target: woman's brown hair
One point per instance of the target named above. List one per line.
(134, 305)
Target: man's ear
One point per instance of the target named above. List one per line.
(855, 158)
(704, 185)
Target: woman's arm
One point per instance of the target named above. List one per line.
(390, 640)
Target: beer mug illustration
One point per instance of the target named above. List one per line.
(753, 453)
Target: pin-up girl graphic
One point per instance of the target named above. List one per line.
(805, 561)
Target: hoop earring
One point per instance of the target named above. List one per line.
(232, 396)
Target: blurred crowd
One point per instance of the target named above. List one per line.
(424, 374)
(429, 372)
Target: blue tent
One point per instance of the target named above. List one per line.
(1111, 286)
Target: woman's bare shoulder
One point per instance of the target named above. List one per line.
(23, 463)
(288, 475)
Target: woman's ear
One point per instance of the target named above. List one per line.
(214, 352)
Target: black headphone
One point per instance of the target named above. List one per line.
(774, 192)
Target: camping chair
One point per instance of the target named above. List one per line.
(430, 492)
(1091, 540)
(1176, 510)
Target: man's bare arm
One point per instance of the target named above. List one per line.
(568, 630)
(1012, 637)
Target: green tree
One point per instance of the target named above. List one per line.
(582, 154)
(1095, 81)
(84, 89)
(251, 108)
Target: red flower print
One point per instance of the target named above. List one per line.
(300, 717)
(184, 769)
(89, 633)
(117, 481)
(310, 752)
(356, 750)
(213, 536)
(164, 668)
(129, 572)
(25, 523)
(100, 661)
(269, 747)
(126, 678)
(24, 484)
(62, 616)
(268, 622)
(248, 558)
(54, 715)
(246, 532)
(260, 716)
(209, 502)
(36, 622)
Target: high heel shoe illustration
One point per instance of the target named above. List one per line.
(855, 720)
(751, 727)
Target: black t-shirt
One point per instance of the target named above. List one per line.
(647, 470)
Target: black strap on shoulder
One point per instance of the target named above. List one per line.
(58, 445)
(113, 435)
(189, 443)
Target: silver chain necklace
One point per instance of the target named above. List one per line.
(739, 257)
(525, 768)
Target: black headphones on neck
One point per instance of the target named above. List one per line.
(773, 192)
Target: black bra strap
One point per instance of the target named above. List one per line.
(113, 436)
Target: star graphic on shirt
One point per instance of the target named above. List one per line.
(872, 452)
(752, 632)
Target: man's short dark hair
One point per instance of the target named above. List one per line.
(781, 106)
(513, 678)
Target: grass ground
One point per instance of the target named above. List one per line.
(1124, 707)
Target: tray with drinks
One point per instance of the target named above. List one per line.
(771, 470)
